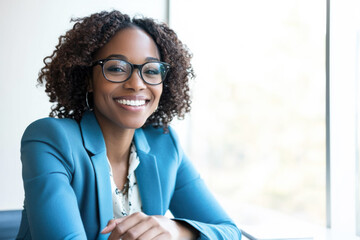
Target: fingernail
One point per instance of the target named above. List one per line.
(102, 231)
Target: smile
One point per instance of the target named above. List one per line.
(135, 103)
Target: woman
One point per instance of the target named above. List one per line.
(107, 165)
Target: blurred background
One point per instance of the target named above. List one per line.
(257, 127)
(258, 130)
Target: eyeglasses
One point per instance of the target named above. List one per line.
(118, 70)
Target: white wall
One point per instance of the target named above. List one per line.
(29, 31)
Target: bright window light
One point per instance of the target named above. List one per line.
(257, 127)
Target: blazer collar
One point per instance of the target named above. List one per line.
(93, 138)
(92, 135)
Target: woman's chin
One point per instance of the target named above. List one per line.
(134, 124)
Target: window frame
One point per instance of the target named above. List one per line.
(342, 122)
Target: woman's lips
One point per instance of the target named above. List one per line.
(133, 103)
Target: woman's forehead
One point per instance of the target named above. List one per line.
(133, 43)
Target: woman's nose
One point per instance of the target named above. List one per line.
(135, 81)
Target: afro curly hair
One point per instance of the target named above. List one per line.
(67, 71)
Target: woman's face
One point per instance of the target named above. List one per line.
(111, 105)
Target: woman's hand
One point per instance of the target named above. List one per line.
(143, 227)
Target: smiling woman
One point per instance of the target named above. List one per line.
(111, 98)
(106, 164)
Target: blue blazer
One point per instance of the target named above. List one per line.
(67, 183)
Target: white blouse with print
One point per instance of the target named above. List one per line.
(127, 200)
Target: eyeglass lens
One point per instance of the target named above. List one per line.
(119, 70)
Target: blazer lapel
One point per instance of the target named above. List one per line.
(103, 190)
(147, 176)
(95, 145)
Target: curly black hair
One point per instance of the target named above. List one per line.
(67, 71)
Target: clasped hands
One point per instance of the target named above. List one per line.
(140, 226)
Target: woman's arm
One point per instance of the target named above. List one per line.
(194, 204)
(50, 203)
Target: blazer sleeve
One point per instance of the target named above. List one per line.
(50, 202)
(193, 203)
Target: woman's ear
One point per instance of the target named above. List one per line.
(89, 99)
(90, 85)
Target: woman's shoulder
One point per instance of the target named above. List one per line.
(52, 121)
(51, 127)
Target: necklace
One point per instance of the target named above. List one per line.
(125, 188)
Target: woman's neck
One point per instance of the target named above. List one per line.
(118, 145)
(117, 140)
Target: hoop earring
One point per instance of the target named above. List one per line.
(87, 101)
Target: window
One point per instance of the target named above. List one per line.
(344, 112)
(257, 128)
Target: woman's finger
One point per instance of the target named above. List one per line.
(124, 224)
(141, 226)
(154, 233)
(162, 236)
(147, 228)
(111, 225)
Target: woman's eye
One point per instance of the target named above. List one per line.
(152, 71)
(114, 69)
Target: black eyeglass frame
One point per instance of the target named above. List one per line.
(102, 62)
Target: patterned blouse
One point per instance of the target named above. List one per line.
(127, 200)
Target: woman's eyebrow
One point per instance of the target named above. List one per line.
(152, 59)
(119, 56)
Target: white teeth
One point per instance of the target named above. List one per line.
(131, 102)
